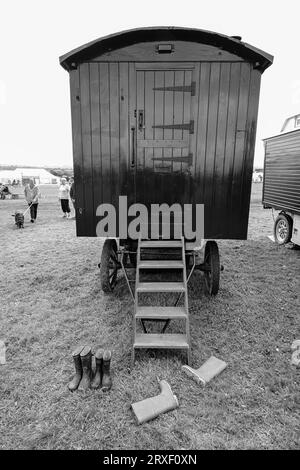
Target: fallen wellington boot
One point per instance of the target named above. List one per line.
(73, 385)
(106, 378)
(86, 361)
(97, 380)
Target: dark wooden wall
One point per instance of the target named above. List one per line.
(101, 141)
(225, 114)
(226, 127)
(281, 188)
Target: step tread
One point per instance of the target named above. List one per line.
(162, 313)
(161, 244)
(160, 287)
(161, 341)
(160, 264)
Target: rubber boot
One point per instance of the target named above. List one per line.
(86, 361)
(73, 385)
(106, 378)
(97, 380)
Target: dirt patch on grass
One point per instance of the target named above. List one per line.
(51, 301)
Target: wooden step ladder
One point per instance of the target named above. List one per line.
(164, 340)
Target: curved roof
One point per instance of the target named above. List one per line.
(105, 44)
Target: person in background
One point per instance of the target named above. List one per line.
(32, 195)
(63, 196)
(72, 194)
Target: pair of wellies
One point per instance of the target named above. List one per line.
(84, 377)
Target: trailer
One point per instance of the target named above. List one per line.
(164, 115)
(281, 187)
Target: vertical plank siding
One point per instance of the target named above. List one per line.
(240, 147)
(101, 147)
(106, 177)
(281, 188)
(77, 150)
(226, 126)
(124, 126)
(219, 157)
(254, 89)
(211, 139)
(87, 146)
(95, 132)
(104, 96)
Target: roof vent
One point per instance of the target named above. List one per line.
(164, 48)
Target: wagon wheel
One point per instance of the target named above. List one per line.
(212, 265)
(109, 266)
(283, 229)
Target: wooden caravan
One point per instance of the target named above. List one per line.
(166, 115)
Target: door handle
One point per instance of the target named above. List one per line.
(132, 163)
(141, 120)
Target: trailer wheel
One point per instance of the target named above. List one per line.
(212, 265)
(109, 266)
(283, 229)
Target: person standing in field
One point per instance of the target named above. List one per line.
(63, 196)
(32, 194)
(72, 194)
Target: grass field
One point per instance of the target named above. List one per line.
(51, 301)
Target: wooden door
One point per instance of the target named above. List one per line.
(164, 133)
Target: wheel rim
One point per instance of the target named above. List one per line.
(282, 230)
(207, 262)
(112, 268)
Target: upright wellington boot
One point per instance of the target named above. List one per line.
(86, 361)
(106, 378)
(97, 380)
(73, 385)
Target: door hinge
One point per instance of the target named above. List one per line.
(188, 88)
(186, 127)
(187, 159)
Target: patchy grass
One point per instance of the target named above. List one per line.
(51, 300)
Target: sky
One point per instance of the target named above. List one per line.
(35, 118)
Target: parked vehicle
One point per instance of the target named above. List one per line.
(281, 188)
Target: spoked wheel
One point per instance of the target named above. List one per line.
(212, 267)
(109, 266)
(283, 229)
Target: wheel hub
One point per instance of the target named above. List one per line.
(282, 230)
